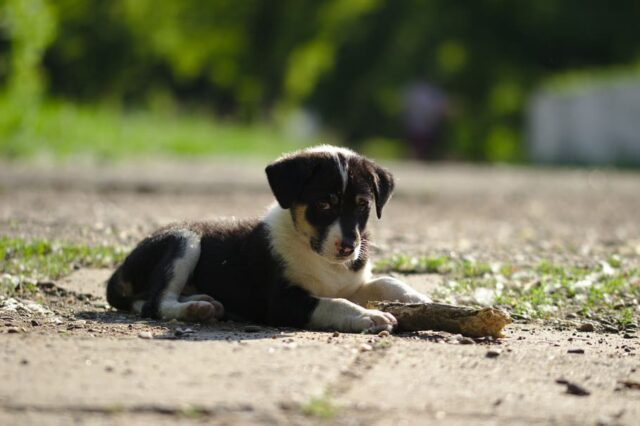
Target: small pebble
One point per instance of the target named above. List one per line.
(630, 384)
(187, 330)
(576, 351)
(630, 336)
(336, 334)
(383, 333)
(586, 327)
(12, 330)
(145, 335)
(466, 341)
(576, 389)
(492, 354)
(365, 347)
(34, 323)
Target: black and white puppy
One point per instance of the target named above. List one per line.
(305, 264)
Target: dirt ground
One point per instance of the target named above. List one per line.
(72, 360)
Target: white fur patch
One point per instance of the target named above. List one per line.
(306, 268)
(183, 266)
(334, 237)
(343, 168)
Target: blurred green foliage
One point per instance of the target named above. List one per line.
(32, 27)
(347, 61)
(63, 130)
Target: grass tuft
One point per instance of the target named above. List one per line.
(321, 407)
(25, 262)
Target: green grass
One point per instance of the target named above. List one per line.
(321, 407)
(607, 291)
(431, 264)
(62, 129)
(25, 262)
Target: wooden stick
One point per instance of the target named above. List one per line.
(454, 319)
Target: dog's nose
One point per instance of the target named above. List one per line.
(346, 248)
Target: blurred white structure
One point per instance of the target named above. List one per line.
(597, 124)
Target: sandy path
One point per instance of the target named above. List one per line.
(83, 363)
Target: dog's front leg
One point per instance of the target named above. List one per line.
(387, 288)
(343, 315)
(295, 307)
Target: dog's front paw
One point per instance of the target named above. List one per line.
(373, 321)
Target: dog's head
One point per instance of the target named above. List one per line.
(330, 192)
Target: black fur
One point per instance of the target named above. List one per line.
(239, 270)
(287, 177)
(147, 270)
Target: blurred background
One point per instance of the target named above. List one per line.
(485, 80)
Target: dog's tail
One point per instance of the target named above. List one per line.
(119, 292)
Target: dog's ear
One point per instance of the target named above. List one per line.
(382, 184)
(287, 177)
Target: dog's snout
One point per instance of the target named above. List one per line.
(346, 247)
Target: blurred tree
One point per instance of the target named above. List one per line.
(348, 61)
(30, 25)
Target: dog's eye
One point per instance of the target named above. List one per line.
(328, 202)
(323, 205)
(363, 203)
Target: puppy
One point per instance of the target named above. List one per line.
(305, 264)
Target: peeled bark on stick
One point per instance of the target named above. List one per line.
(467, 321)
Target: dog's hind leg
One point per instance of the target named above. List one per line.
(204, 298)
(169, 279)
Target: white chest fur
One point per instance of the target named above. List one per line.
(305, 267)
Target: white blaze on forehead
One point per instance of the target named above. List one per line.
(341, 157)
(343, 168)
